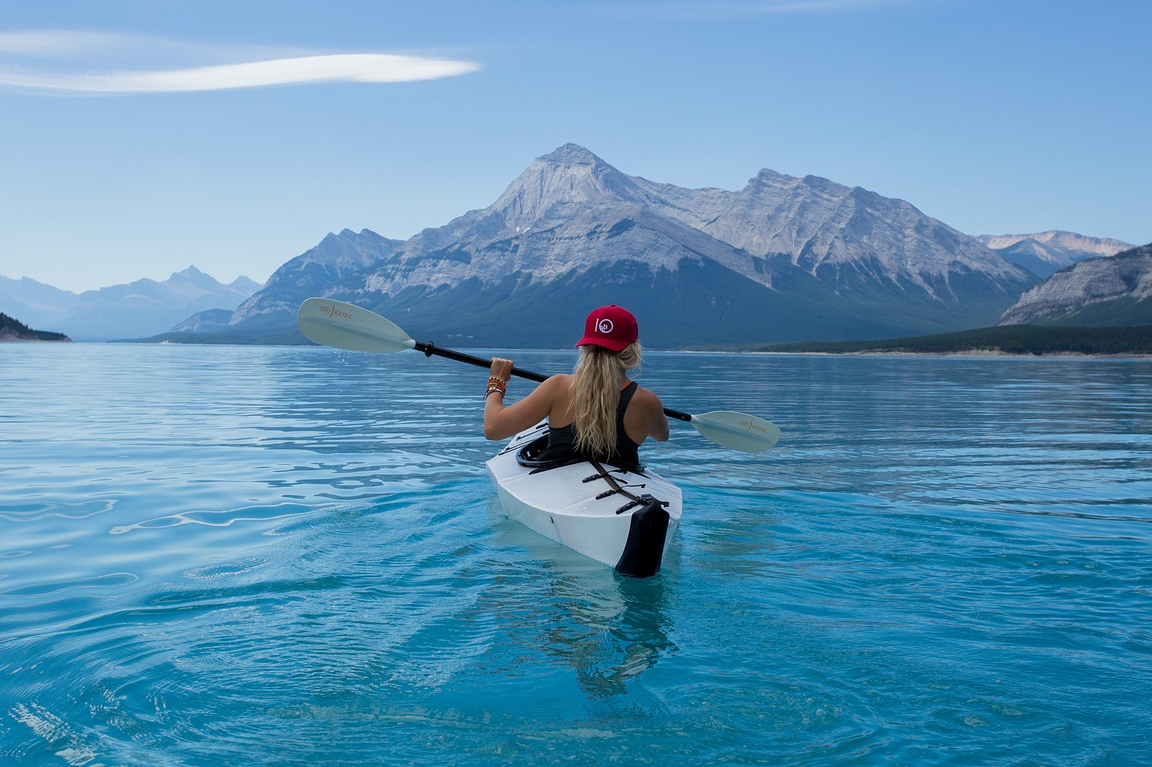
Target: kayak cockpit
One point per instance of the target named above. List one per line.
(532, 456)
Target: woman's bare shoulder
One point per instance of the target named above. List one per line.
(558, 381)
(647, 398)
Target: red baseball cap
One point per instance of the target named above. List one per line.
(611, 327)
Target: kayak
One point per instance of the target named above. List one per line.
(620, 517)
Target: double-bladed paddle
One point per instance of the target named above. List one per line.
(347, 326)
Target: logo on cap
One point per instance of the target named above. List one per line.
(611, 327)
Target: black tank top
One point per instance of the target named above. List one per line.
(562, 441)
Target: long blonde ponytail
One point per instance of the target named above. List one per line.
(596, 394)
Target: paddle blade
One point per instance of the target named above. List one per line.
(738, 431)
(347, 326)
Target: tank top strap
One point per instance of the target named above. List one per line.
(625, 398)
(627, 452)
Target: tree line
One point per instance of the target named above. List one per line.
(10, 326)
(1032, 340)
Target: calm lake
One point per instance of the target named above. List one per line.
(216, 556)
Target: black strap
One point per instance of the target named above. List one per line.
(633, 499)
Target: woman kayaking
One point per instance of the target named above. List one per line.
(597, 411)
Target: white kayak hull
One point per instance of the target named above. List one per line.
(625, 520)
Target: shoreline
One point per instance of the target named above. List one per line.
(975, 354)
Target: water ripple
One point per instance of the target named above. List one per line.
(264, 556)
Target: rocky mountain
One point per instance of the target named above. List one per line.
(135, 310)
(1099, 292)
(270, 315)
(782, 259)
(1046, 253)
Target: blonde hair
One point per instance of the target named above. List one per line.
(596, 395)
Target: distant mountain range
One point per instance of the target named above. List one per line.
(140, 309)
(1097, 292)
(1046, 253)
(784, 259)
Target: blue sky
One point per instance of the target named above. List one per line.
(140, 137)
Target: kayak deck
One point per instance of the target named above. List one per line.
(622, 518)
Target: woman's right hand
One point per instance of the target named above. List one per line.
(500, 368)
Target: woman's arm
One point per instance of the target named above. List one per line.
(645, 417)
(501, 422)
(659, 430)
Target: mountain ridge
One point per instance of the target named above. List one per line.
(571, 212)
(1107, 291)
(781, 259)
(141, 308)
(1045, 253)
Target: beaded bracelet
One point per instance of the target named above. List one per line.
(496, 385)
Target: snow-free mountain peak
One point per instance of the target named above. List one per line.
(1045, 253)
(1069, 241)
(571, 175)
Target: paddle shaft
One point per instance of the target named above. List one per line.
(430, 348)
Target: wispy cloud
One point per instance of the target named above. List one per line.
(97, 63)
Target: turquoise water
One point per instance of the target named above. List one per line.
(279, 556)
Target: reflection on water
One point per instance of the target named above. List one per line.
(608, 628)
